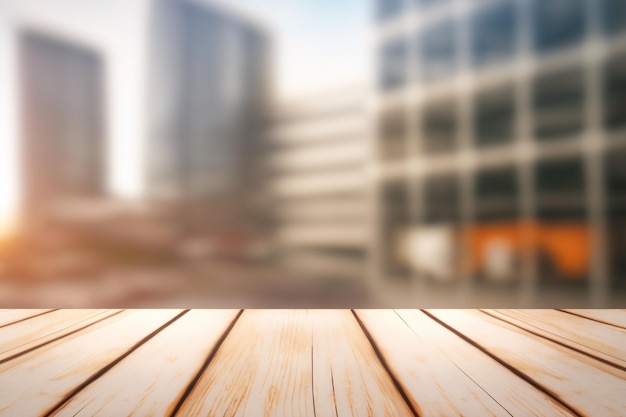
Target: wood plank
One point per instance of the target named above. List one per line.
(161, 370)
(40, 330)
(348, 378)
(34, 383)
(588, 386)
(613, 317)
(263, 368)
(434, 384)
(9, 317)
(518, 397)
(596, 339)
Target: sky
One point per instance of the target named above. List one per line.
(319, 44)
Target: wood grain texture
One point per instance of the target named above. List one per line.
(588, 386)
(318, 363)
(518, 397)
(263, 368)
(348, 378)
(434, 384)
(613, 317)
(29, 334)
(606, 343)
(160, 370)
(8, 317)
(34, 383)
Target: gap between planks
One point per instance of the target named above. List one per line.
(584, 346)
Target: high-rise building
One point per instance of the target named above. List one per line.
(208, 89)
(62, 121)
(500, 150)
(150, 98)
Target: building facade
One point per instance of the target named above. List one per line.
(209, 87)
(500, 149)
(62, 121)
(313, 186)
(149, 99)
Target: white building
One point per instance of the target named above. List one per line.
(314, 184)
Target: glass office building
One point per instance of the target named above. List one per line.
(62, 120)
(500, 150)
(208, 90)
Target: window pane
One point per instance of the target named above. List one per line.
(438, 51)
(439, 126)
(558, 104)
(560, 186)
(493, 34)
(393, 65)
(615, 175)
(496, 192)
(562, 238)
(494, 241)
(441, 198)
(393, 134)
(494, 118)
(561, 176)
(615, 93)
(614, 15)
(396, 223)
(388, 9)
(558, 23)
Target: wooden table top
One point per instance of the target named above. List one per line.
(314, 363)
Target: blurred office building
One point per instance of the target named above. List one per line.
(63, 149)
(501, 150)
(135, 123)
(208, 93)
(190, 79)
(313, 196)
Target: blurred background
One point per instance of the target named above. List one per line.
(309, 153)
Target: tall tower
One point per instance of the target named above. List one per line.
(209, 86)
(209, 80)
(62, 121)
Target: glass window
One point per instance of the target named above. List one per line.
(615, 176)
(496, 192)
(438, 51)
(560, 186)
(558, 104)
(388, 9)
(558, 23)
(494, 116)
(494, 241)
(439, 126)
(560, 176)
(615, 93)
(562, 236)
(393, 131)
(613, 15)
(441, 198)
(393, 64)
(493, 34)
(396, 223)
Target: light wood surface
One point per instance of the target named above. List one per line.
(319, 363)
(587, 386)
(8, 317)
